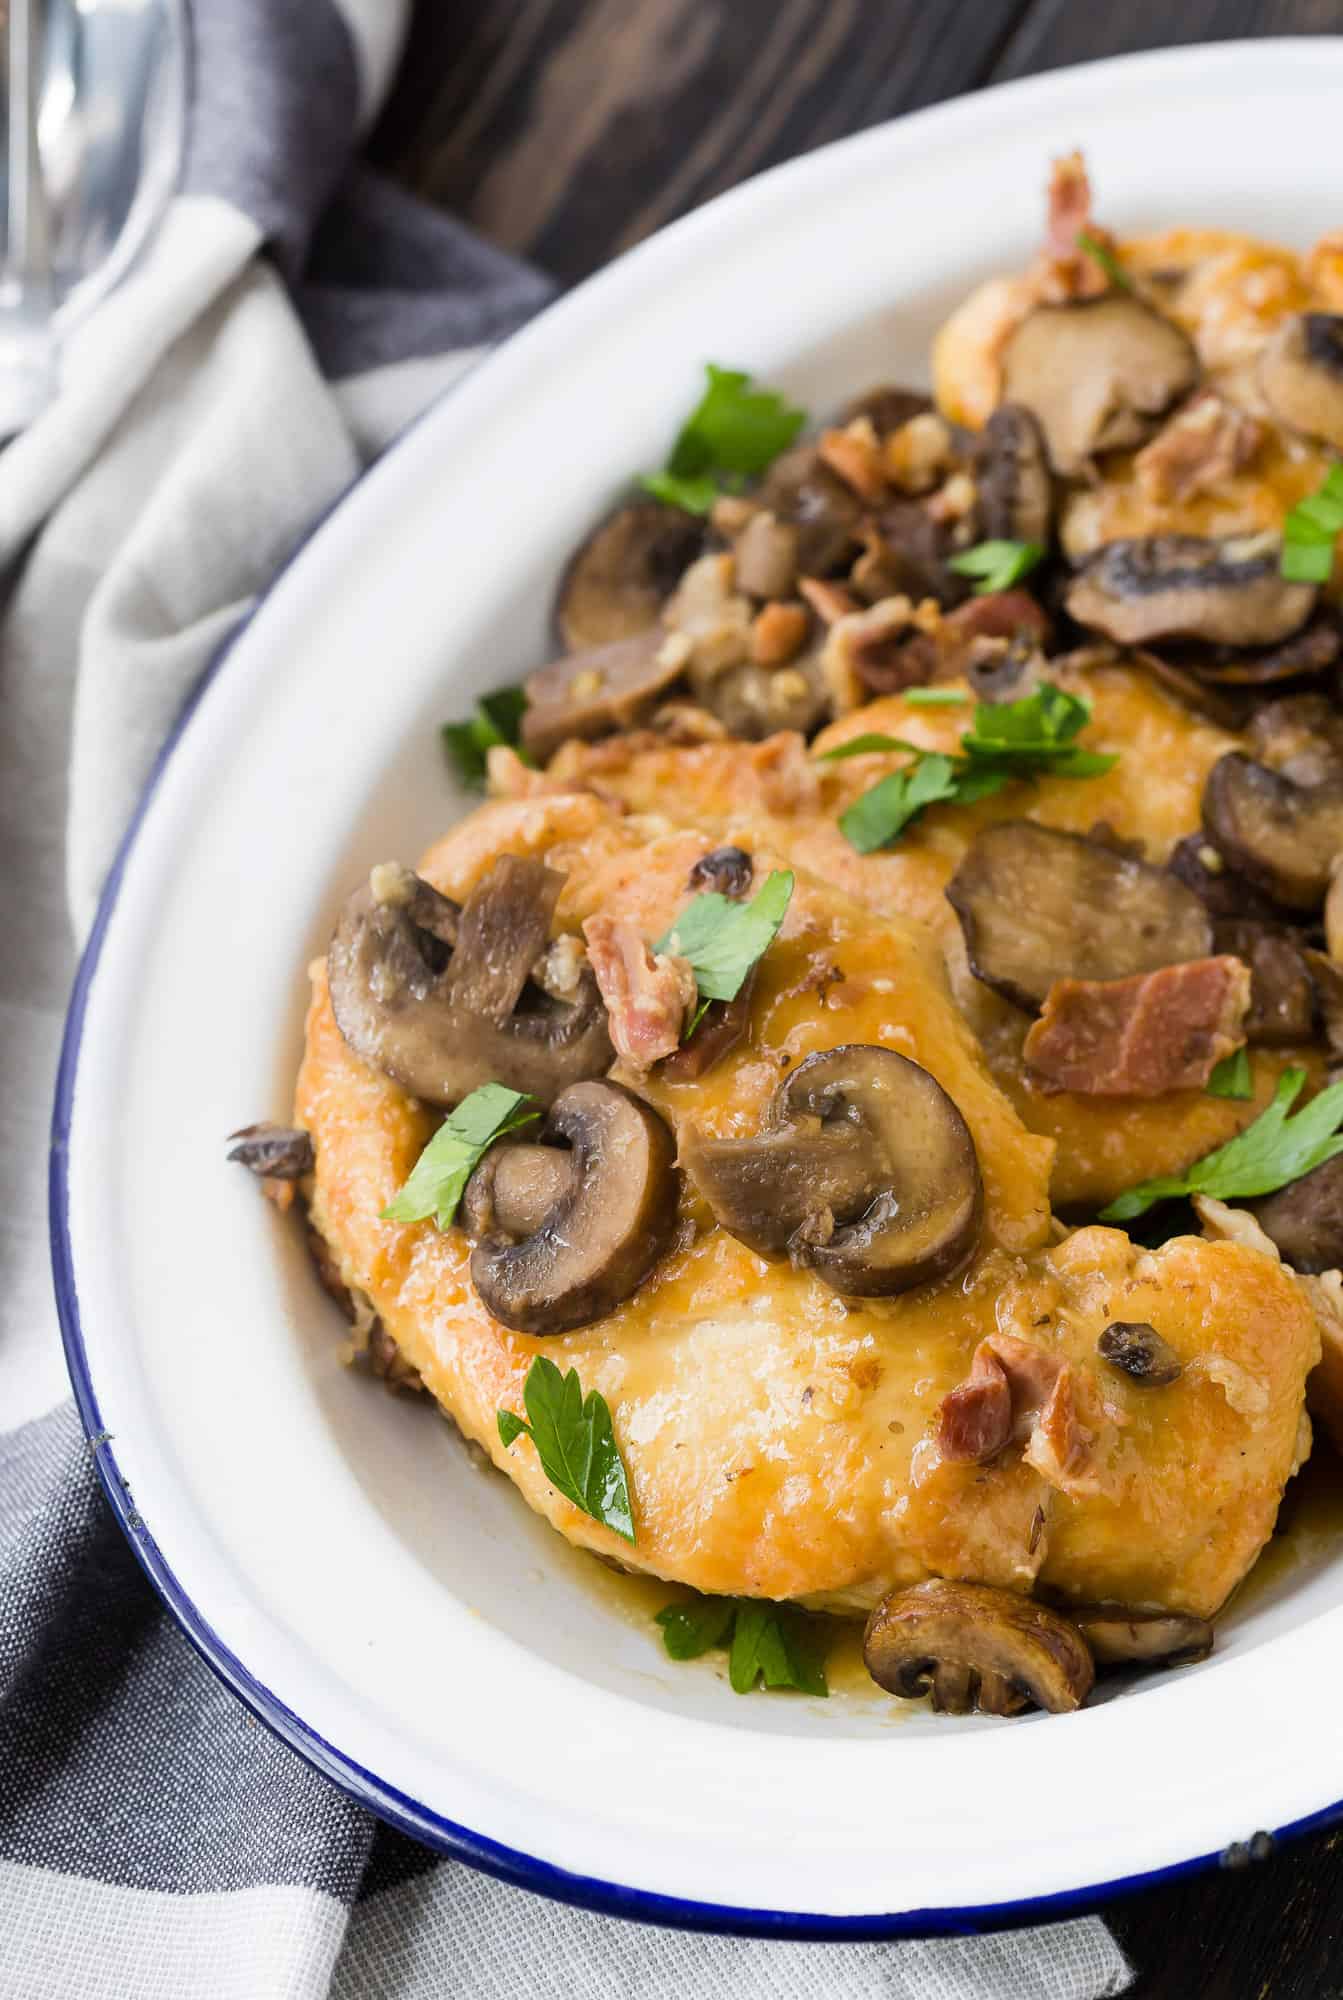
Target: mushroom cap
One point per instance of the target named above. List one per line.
(1281, 835)
(801, 489)
(1016, 491)
(618, 578)
(596, 692)
(1096, 374)
(1036, 905)
(1228, 592)
(865, 1172)
(1301, 375)
(1305, 1218)
(973, 1646)
(610, 1209)
(441, 1019)
(1119, 1636)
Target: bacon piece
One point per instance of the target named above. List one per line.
(647, 998)
(999, 614)
(1067, 271)
(1139, 1037)
(1017, 1391)
(1202, 446)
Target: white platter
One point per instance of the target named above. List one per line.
(400, 1618)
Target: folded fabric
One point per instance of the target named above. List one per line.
(156, 1843)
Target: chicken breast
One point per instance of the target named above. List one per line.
(1152, 795)
(783, 1441)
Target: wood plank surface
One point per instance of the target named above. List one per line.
(568, 129)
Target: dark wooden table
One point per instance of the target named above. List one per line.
(568, 129)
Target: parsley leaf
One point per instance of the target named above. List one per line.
(436, 1181)
(1102, 255)
(733, 433)
(1231, 1077)
(935, 697)
(768, 1643)
(1273, 1151)
(1007, 740)
(498, 719)
(574, 1442)
(1311, 530)
(998, 565)
(723, 939)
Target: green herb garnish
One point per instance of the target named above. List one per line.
(1231, 1077)
(437, 1179)
(498, 719)
(732, 434)
(1099, 254)
(1273, 1151)
(998, 565)
(1007, 740)
(935, 697)
(574, 1442)
(768, 1643)
(723, 939)
(1311, 531)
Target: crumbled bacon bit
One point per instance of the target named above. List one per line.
(1141, 1036)
(647, 997)
(1017, 1391)
(1200, 448)
(916, 456)
(955, 500)
(784, 774)
(1067, 271)
(778, 633)
(999, 614)
(876, 650)
(830, 601)
(854, 455)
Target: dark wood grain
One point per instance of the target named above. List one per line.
(566, 130)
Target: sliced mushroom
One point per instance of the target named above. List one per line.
(1121, 1637)
(971, 1646)
(726, 871)
(1222, 892)
(1002, 670)
(441, 1021)
(1228, 592)
(911, 550)
(1096, 374)
(1136, 1349)
(1016, 492)
(1282, 992)
(1229, 710)
(564, 1242)
(591, 694)
(1305, 656)
(1036, 905)
(1300, 736)
(275, 1152)
(1305, 1219)
(887, 407)
(800, 489)
(617, 580)
(753, 702)
(1301, 375)
(865, 1172)
(1281, 835)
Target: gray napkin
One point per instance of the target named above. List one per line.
(155, 1842)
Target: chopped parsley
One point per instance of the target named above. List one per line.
(1101, 255)
(439, 1177)
(731, 435)
(997, 565)
(1231, 1077)
(935, 697)
(1006, 740)
(723, 939)
(767, 1642)
(498, 719)
(574, 1442)
(1311, 531)
(1270, 1153)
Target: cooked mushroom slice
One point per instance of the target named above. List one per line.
(1228, 592)
(276, 1152)
(1283, 836)
(592, 694)
(1016, 492)
(1136, 1349)
(1120, 1637)
(1228, 709)
(617, 580)
(1300, 736)
(1305, 1219)
(887, 407)
(1282, 993)
(1005, 670)
(1301, 375)
(1305, 656)
(800, 489)
(442, 1021)
(1222, 892)
(972, 1646)
(865, 1173)
(721, 1027)
(726, 870)
(611, 1209)
(753, 702)
(1037, 905)
(1096, 374)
